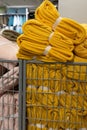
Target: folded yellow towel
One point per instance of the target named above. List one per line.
(77, 69)
(81, 50)
(39, 40)
(45, 76)
(85, 27)
(49, 15)
(70, 120)
(36, 127)
(74, 101)
(55, 111)
(69, 85)
(83, 89)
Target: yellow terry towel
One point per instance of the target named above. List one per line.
(37, 126)
(85, 27)
(76, 70)
(56, 111)
(69, 85)
(45, 76)
(37, 111)
(39, 40)
(49, 15)
(83, 89)
(81, 49)
(65, 119)
(41, 96)
(69, 119)
(74, 101)
(54, 78)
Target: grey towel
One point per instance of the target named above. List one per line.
(10, 34)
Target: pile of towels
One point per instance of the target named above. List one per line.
(56, 92)
(9, 111)
(9, 99)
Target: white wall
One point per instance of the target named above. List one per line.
(29, 3)
(75, 9)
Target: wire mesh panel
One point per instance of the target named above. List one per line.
(9, 95)
(55, 96)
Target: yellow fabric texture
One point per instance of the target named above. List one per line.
(48, 14)
(34, 127)
(85, 26)
(50, 79)
(35, 40)
(56, 111)
(81, 49)
(55, 78)
(78, 71)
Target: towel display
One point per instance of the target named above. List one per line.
(56, 96)
(56, 85)
(49, 15)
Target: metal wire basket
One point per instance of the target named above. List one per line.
(55, 96)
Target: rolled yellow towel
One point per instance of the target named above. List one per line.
(49, 15)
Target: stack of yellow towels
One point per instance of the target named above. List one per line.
(48, 14)
(56, 92)
(39, 40)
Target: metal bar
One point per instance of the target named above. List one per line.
(20, 94)
(24, 95)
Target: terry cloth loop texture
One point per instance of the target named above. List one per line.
(54, 76)
(81, 49)
(48, 14)
(77, 72)
(35, 40)
(56, 111)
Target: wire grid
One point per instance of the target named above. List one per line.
(9, 95)
(55, 96)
